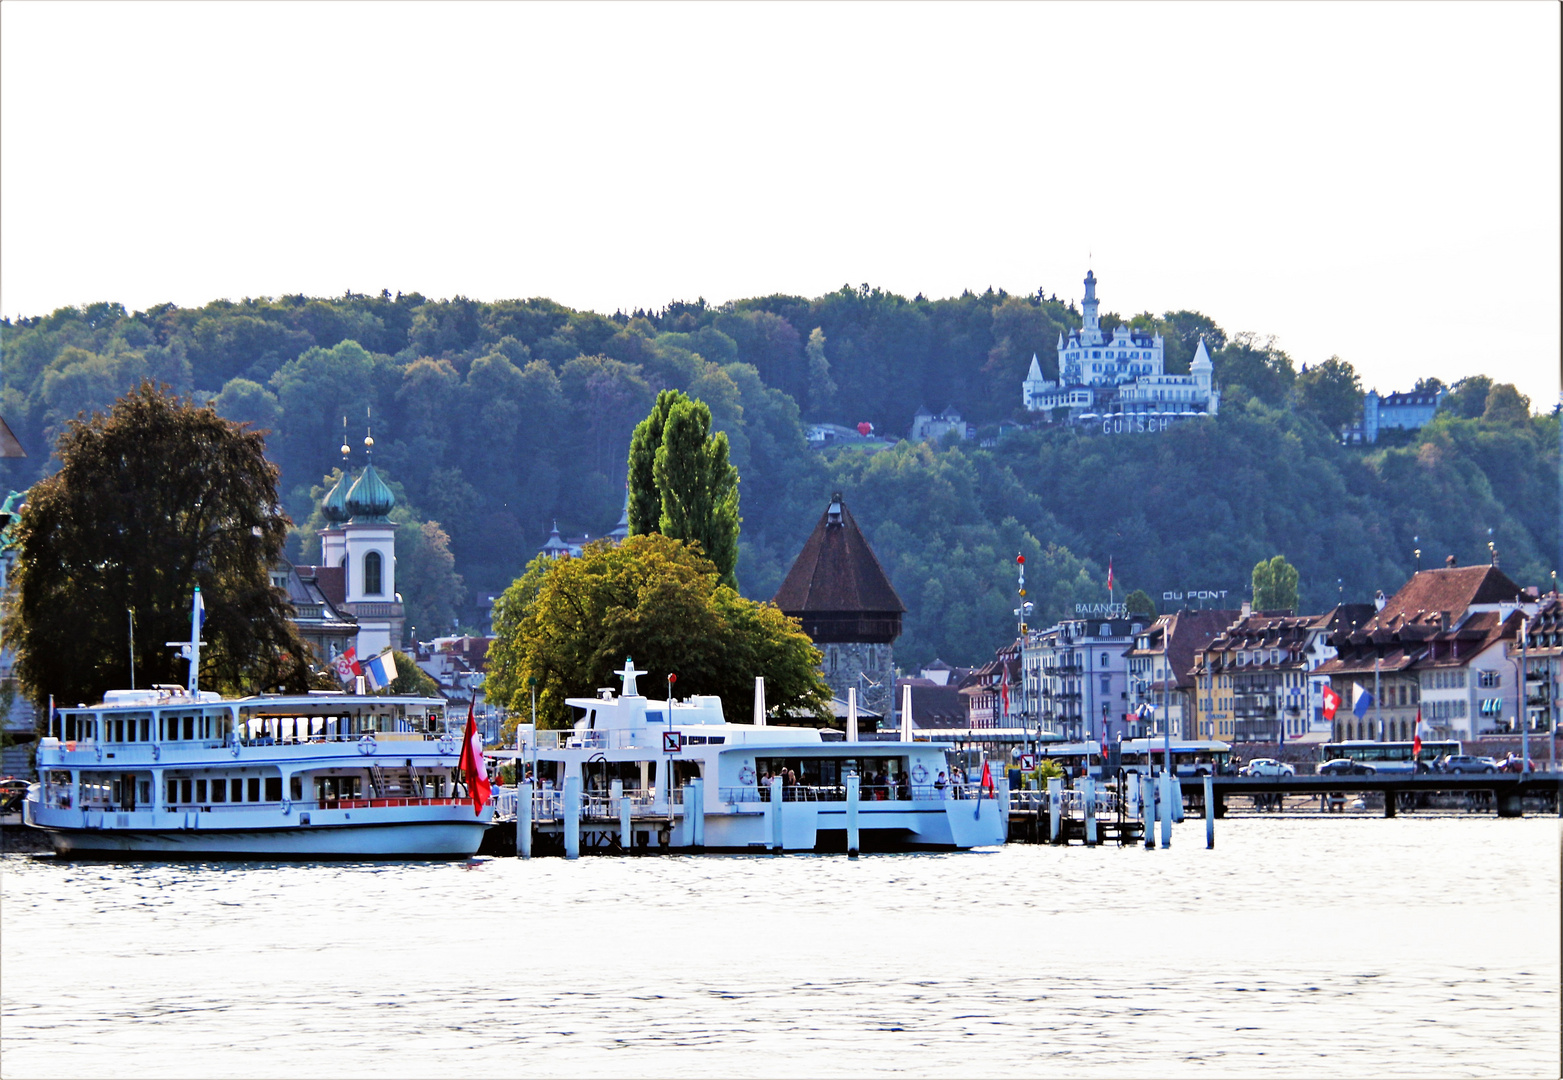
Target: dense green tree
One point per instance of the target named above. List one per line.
(645, 501)
(1275, 585)
(698, 487)
(1139, 602)
(411, 680)
(1332, 392)
(1467, 398)
(571, 623)
(1506, 405)
(151, 500)
(245, 401)
(822, 388)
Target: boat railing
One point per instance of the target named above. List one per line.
(866, 793)
(549, 805)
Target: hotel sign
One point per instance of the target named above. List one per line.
(1106, 611)
(1196, 594)
(1122, 425)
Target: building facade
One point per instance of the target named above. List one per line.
(1442, 645)
(1082, 670)
(1161, 676)
(1122, 377)
(1405, 412)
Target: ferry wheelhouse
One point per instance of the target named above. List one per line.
(175, 773)
(677, 774)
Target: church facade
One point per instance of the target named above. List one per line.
(1122, 381)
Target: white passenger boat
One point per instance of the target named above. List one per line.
(167, 773)
(640, 772)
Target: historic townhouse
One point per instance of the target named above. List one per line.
(1084, 675)
(1441, 644)
(1254, 680)
(1161, 675)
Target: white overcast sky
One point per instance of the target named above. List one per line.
(1379, 182)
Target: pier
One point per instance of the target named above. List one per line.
(1507, 793)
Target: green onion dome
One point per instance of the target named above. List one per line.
(370, 499)
(335, 505)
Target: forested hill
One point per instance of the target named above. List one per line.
(495, 419)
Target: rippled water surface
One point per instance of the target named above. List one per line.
(1297, 947)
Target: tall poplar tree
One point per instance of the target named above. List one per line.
(1275, 585)
(691, 485)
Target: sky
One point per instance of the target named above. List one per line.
(1374, 181)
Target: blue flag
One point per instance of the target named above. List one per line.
(1361, 700)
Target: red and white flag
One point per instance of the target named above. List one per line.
(1416, 736)
(1109, 574)
(472, 769)
(347, 665)
(1331, 702)
(1004, 690)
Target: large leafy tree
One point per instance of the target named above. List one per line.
(570, 624)
(1332, 392)
(151, 500)
(645, 509)
(1275, 585)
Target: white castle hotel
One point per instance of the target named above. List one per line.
(1120, 383)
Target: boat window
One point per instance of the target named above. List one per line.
(255, 789)
(189, 728)
(273, 789)
(200, 791)
(236, 787)
(296, 789)
(219, 791)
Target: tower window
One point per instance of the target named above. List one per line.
(372, 583)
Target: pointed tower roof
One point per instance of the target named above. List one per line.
(1035, 374)
(837, 573)
(1201, 357)
(621, 531)
(554, 545)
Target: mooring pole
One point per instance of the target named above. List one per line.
(1210, 812)
(853, 789)
(524, 819)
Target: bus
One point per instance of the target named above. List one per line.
(1391, 754)
(1190, 757)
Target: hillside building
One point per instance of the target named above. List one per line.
(1405, 412)
(1119, 382)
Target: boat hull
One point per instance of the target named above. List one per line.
(391, 840)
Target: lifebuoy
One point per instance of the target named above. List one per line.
(919, 774)
(447, 744)
(287, 807)
(366, 745)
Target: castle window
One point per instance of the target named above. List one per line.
(372, 583)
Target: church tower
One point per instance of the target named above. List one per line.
(369, 552)
(847, 605)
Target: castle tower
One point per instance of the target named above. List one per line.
(847, 606)
(369, 544)
(1091, 331)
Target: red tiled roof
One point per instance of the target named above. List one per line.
(837, 571)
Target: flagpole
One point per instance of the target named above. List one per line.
(1378, 701)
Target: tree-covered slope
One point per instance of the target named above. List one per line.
(495, 419)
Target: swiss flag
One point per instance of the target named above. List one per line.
(1331, 702)
(472, 763)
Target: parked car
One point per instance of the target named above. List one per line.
(1467, 763)
(1513, 762)
(1267, 767)
(1345, 767)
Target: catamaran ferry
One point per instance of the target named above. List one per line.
(169, 773)
(635, 771)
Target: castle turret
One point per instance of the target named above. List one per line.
(1091, 332)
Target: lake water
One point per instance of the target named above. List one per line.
(1298, 947)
